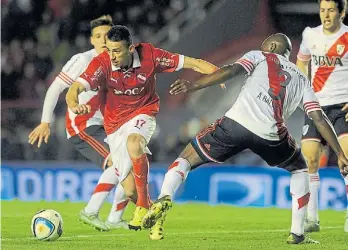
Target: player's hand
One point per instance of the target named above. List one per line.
(345, 108)
(81, 109)
(41, 133)
(180, 86)
(343, 164)
(223, 86)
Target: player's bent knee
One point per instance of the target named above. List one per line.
(313, 163)
(190, 154)
(128, 185)
(129, 190)
(136, 145)
(344, 144)
(311, 151)
(298, 163)
(131, 194)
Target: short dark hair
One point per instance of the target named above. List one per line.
(341, 4)
(119, 33)
(101, 21)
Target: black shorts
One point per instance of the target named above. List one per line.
(91, 143)
(337, 118)
(226, 138)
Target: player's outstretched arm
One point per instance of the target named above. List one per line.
(72, 99)
(326, 130)
(303, 66)
(201, 66)
(42, 132)
(220, 76)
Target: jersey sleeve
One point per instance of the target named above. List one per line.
(94, 75)
(166, 61)
(304, 53)
(69, 73)
(250, 60)
(72, 69)
(310, 101)
(51, 99)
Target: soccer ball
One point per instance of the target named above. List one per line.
(47, 225)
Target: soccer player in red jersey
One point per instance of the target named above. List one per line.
(86, 132)
(127, 73)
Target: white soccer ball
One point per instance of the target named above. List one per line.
(47, 225)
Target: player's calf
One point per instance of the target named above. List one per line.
(136, 145)
(177, 174)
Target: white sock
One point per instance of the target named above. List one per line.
(119, 205)
(314, 185)
(177, 173)
(346, 183)
(299, 188)
(106, 183)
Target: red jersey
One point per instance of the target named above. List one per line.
(130, 92)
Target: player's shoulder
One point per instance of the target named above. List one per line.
(344, 28)
(308, 32)
(255, 52)
(254, 55)
(144, 48)
(144, 45)
(78, 62)
(103, 59)
(83, 57)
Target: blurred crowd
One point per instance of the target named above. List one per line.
(38, 37)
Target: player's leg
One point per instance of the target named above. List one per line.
(138, 132)
(343, 139)
(286, 154)
(299, 189)
(121, 200)
(312, 151)
(312, 146)
(178, 171)
(136, 145)
(89, 214)
(96, 151)
(212, 144)
(92, 144)
(341, 128)
(176, 174)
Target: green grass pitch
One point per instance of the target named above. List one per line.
(188, 226)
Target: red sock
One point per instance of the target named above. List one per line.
(141, 170)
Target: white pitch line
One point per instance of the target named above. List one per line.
(177, 233)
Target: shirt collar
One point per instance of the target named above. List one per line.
(136, 62)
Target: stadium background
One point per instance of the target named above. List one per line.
(39, 36)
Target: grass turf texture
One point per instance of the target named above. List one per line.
(188, 226)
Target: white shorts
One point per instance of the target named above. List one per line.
(144, 125)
